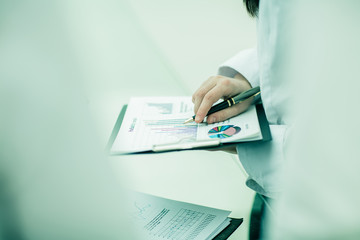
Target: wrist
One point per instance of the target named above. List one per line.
(242, 78)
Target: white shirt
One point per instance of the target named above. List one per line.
(321, 179)
(263, 160)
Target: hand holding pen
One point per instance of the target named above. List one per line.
(233, 89)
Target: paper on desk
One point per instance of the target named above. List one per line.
(153, 121)
(160, 218)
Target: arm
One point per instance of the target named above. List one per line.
(245, 63)
(261, 160)
(238, 74)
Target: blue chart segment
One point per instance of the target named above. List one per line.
(224, 131)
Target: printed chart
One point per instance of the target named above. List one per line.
(167, 131)
(158, 108)
(224, 131)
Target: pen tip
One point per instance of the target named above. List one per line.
(189, 120)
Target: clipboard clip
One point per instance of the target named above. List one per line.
(186, 145)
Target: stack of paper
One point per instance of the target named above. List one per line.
(160, 218)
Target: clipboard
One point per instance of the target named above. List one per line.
(209, 144)
(225, 234)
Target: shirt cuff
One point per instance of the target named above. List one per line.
(245, 63)
(263, 162)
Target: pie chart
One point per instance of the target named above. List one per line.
(224, 131)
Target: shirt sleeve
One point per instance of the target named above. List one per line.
(245, 63)
(263, 162)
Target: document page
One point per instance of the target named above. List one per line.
(150, 121)
(160, 218)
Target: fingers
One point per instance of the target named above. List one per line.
(202, 91)
(208, 100)
(211, 91)
(229, 112)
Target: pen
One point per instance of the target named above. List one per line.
(230, 102)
